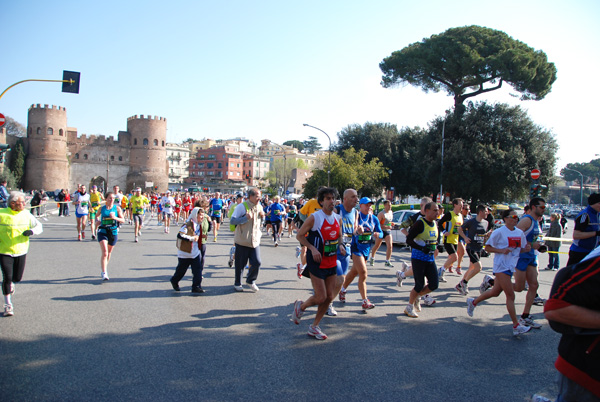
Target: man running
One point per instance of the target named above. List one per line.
(454, 219)
(276, 212)
(216, 205)
(324, 229)
(95, 199)
(82, 203)
(586, 234)
(138, 204)
(368, 227)
(477, 231)
(167, 203)
(423, 238)
(385, 220)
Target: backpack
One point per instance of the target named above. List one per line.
(232, 227)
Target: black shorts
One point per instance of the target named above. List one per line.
(108, 236)
(216, 219)
(450, 248)
(386, 233)
(474, 256)
(321, 273)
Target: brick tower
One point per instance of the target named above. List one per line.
(147, 157)
(47, 163)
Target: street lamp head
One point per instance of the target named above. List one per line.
(305, 124)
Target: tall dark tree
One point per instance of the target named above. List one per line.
(469, 61)
(17, 162)
(311, 145)
(488, 154)
(299, 145)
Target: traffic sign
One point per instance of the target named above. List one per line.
(2, 119)
(535, 174)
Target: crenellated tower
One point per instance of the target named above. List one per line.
(147, 157)
(47, 165)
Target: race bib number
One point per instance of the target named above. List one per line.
(364, 238)
(514, 242)
(430, 246)
(139, 211)
(107, 222)
(330, 248)
(84, 204)
(94, 204)
(479, 239)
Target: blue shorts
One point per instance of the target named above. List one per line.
(343, 262)
(78, 215)
(524, 262)
(111, 239)
(509, 273)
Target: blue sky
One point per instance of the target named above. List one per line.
(222, 69)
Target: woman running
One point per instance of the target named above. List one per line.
(109, 218)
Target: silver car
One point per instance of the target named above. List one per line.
(399, 217)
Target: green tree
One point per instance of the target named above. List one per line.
(349, 170)
(17, 162)
(299, 145)
(311, 145)
(469, 61)
(15, 128)
(589, 170)
(488, 154)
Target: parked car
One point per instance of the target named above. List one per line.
(399, 217)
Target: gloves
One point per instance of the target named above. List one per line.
(27, 233)
(543, 248)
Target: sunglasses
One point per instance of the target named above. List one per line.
(513, 216)
(541, 206)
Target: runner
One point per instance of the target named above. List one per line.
(216, 205)
(349, 226)
(167, 203)
(527, 266)
(125, 208)
(276, 213)
(310, 207)
(385, 219)
(138, 205)
(454, 219)
(16, 226)
(460, 252)
(292, 211)
(177, 208)
(423, 238)
(368, 226)
(95, 199)
(477, 232)
(586, 233)
(238, 200)
(324, 229)
(81, 201)
(109, 217)
(507, 242)
(187, 206)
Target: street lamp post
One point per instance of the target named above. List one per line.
(580, 185)
(329, 167)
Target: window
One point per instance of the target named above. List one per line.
(201, 174)
(120, 158)
(85, 157)
(145, 141)
(112, 157)
(50, 131)
(60, 132)
(163, 143)
(220, 165)
(201, 156)
(155, 143)
(30, 130)
(210, 165)
(77, 156)
(238, 165)
(201, 165)
(39, 130)
(135, 141)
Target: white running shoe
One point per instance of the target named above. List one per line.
(298, 251)
(428, 300)
(8, 310)
(399, 278)
(410, 311)
(470, 306)
(105, 276)
(315, 331)
(520, 329)
(485, 284)
(331, 311)
(253, 287)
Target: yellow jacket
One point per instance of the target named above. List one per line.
(12, 226)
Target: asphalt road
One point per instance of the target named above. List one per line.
(76, 338)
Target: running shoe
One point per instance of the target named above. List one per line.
(238, 288)
(299, 270)
(253, 287)
(460, 288)
(136, 239)
(470, 306)
(539, 398)
(8, 310)
(331, 311)
(520, 329)
(93, 237)
(315, 331)
(538, 301)
(529, 322)
(297, 313)
(400, 277)
(372, 262)
(450, 270)
(410, 311)
(342, 296)
(367, 305)
(441, 275)
(389, 264)
(105, 276)
(417, 305)
(486, 283)
(428, 300)
(79, 237)
(298, 251)
(276, 243)
(458, 271)
(83, 235)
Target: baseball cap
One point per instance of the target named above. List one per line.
(365, 200)
(239, 195)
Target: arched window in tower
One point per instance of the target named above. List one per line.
(145, 141)
(50, 131)
(85, 157)
(120, 159)
(39, 130)
(135, 141)
(30, 131)
(155, 143)
(77, 156)
(112, 157)
(163, 143)
(60, 132)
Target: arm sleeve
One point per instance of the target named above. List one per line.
(35, 225)
(446, 218)
(239, 215)
(415, 229)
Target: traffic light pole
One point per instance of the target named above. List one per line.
(70, 82)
